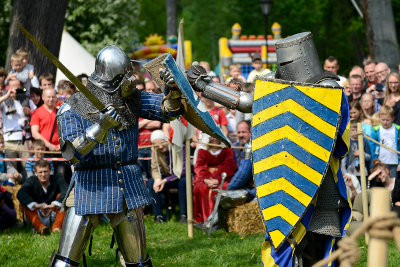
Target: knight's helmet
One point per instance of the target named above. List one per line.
(111, 65)
(297, 58)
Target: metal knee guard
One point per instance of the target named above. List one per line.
(76, 231)
(131, 238)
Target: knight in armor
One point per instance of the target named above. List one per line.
(102, 145)
(327, 216)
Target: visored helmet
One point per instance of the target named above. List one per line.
(112, 64)
(297, 58)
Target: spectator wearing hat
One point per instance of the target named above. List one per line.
(257, 64)
(164, 177)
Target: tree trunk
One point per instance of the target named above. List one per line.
(172, 25)
(44, 19)
(382, 32)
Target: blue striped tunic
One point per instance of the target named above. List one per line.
(103, 190)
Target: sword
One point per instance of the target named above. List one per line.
(89, 95)
(209, 222)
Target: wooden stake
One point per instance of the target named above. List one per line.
(189, 193)
(362, 172)
(378, 248)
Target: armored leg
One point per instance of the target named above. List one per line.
(131, 237)
(74, 237)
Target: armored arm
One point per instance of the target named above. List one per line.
(97, 133)
(217, 92)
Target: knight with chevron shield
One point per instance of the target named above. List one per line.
(300, 133)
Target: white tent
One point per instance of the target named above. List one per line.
(74, 57)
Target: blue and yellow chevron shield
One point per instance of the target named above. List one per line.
(293, 135)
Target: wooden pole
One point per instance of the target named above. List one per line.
(378, 248)
(189, 193)
(362, 172)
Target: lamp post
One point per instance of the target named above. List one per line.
(266, 6)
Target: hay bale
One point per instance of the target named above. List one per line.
(245, 219)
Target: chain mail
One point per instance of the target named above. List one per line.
(325, 219)
(82, 105)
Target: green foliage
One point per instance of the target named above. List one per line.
(167, 243)
(125, 23)
(97, 23)
(5, 16)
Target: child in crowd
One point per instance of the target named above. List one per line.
(46, 81)
(28, 67)
(351, 162)
(388, 134)
(21, 72)
(37, 145)
(235, 72)
(257, 64)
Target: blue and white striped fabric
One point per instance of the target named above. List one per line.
(103, 190)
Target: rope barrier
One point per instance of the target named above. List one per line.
(385, 227)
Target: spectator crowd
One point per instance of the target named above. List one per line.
(32, 188)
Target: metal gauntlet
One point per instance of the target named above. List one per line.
(201, 82)
(224, 95)
(171, 103)
(97, 133)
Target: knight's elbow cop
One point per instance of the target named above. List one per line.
(82, 145)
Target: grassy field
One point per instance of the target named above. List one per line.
(167, 244)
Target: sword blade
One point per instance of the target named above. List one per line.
(89, 95)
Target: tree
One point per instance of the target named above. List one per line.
(172, 26)
(381, 30)
(43, 19)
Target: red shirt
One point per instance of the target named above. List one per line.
(219, 116)
(144, 136)
(45, 120)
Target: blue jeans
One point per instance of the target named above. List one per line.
(145, 165)
(158, 199)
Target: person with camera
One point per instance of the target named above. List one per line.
(16, 108)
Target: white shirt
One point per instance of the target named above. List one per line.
(387, 137)
(254, 73)
(14, 123)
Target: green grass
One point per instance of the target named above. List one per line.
(167, 244)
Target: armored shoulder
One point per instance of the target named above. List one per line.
(63, 108)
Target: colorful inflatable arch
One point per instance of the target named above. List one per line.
(238, 49)
(155, 46)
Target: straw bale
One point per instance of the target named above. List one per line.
(245, 219)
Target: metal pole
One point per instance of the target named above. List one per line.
(266, 28)
(189, 192)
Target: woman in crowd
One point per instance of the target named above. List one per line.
(210, 165)
(368, 107)
(357, 115)
(392, 86)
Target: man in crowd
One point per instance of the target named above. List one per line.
(369, 69)
(41, 195)
(15, 122)
(356, 84)
(243, 176)
(382, 71)
(43, 122)
(332, 65)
